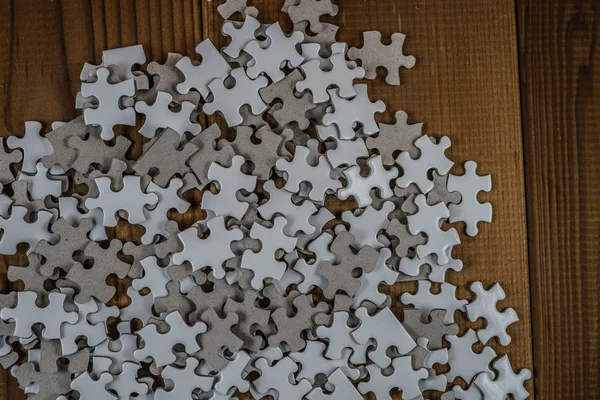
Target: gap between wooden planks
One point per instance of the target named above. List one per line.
(465, 85)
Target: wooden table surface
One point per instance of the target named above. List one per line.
(512, 84)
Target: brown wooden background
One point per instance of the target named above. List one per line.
(512, 84)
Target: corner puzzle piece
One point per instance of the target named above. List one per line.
(159, 346)
(340, 276)
(230, 181)
(484, 306)
(311, 12)
(375, 54)
(426, 301)
(212, 251)
(403, 377)
(26, 314)
(229, 100)
(33, 145)
(507, 382)
(433, 329)
(280, 50)
(339, 339)
(317, 80)
(16, 230)
(290, 328)
(297, 215)
(427, 220)
(385, 329)
(212, 67)
(343, 389)
(360, 187)
(156, 219)
(463, 361)
(182, 382)
(314, 363)
(130, 199)
(397, 137)
(218, 338)
(159, 115)
(109, 111)
(470, 210)
(416, 170)
(263, 262)
(280, 377)
(299, 170)
(347, 113)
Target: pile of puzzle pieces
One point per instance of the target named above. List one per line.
(271, 293)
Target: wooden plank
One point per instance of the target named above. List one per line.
(465, 86)
(561, 119)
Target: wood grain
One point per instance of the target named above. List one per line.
(559, 53)
(465, 86)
